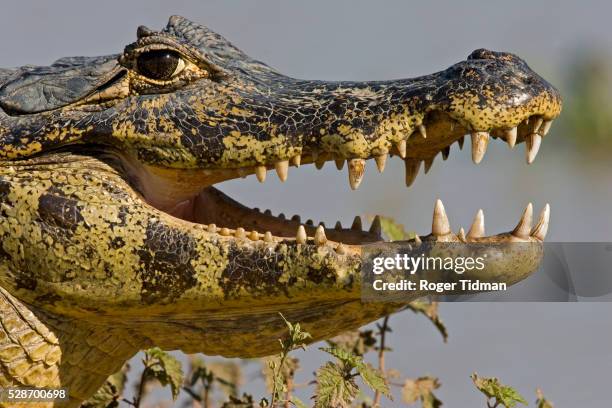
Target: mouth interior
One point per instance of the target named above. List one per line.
(190, 195)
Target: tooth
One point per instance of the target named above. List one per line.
(381, 160)
(260, 172)
(356, 167)
(422, 131)
(523, 228)
(320, 162)
(339, 163)
(254, 235)
(296, 160)
(281, 216)
(477, 230)
(267, 212)
(301, 237)
(510, 135)
(296, 218)
(417, 239)
(338, 226)
(461, 235)
(319, 237)
(532, 144)
(322, 224)
(545, 127)
(480, 140)
(428, 163)
(282, 168)
(240, 233)
(541, 228)
(268, 237)
(256, 209)
(356, 223)
(376, 228)
(461, 141)
(440, 225)
(224, 231)
(412, 169)
(310, 222)
(340, 249)
(401, 148)
(212, 228)
(536, 125)
(445, 152)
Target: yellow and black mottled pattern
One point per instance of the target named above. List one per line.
(90, 273)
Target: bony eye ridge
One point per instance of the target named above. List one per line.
(160, 64)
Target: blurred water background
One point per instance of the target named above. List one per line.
(563, 348)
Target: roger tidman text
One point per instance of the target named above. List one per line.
(439, 287)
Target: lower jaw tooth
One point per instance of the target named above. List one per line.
(356, 224)
(376, 227)
(319, 237)
(523, 228)
(240, 233)
(268, 237)
(301, 236)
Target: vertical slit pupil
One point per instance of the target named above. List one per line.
(158, 64)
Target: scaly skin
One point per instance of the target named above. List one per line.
(112, 238)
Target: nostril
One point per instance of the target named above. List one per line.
(482, 53)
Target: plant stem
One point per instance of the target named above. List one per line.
(381, 356)
(143, 377)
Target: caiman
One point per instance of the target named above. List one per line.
(113, 237)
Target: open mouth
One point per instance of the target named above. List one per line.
(190, 195)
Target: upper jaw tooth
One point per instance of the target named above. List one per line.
(480, 141)
(260, 173)
(532, 143)
(282, 169)
(511, 136)
(412, 170)
(356, 168)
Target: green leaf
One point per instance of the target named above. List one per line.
(421, 389)
(334, 387)
(542, 402)
(165, 369)
(297, 337)
(491, 387)
(345, 356)
(356, 341)
(298, 402)
(393, 230)
(109, 394)
(430, 310)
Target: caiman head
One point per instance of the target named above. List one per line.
(109, 218)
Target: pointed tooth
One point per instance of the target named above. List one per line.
(254, 235)
(224, 232)
(322, 224)
(445, 152)
(461, 141)
(376, 227)
(510, 136)
(282, 169)
(356, 168)
(417, 239)
(296, 218)
(338, 226)
(319, 237)
(320, 162)
(340, 249)
(412, 170)
(532, 146)
(461, 235)
(536, 125)
(428, 163)
(339, 163)
(239, 233)
(541, 228)
(381, 160)
(440, 225)
(212, 228)
(477, 230)
(422, 131)
(523, 228)
(356, 224)
(260, 172)
(268, 237)
(296, 160)
(545, 127)
(480, 140)
(401, 148)
(301, 236)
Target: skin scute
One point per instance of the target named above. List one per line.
(113, 238)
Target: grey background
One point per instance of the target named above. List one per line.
(563, 348)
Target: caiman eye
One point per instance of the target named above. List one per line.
(160, 64)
